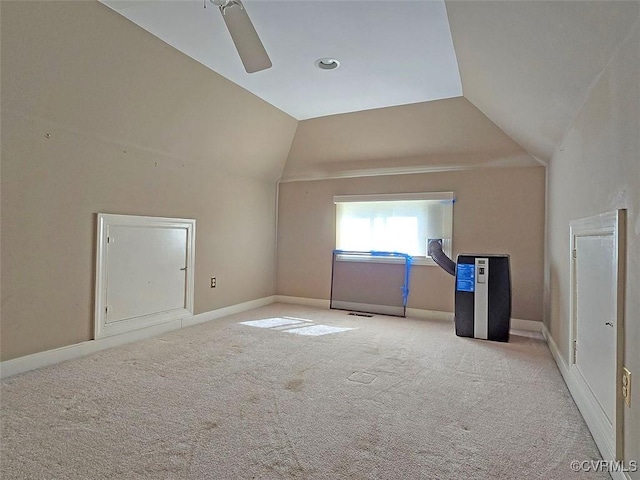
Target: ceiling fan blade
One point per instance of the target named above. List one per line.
(252, 53)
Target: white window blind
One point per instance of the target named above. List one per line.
(394, 223)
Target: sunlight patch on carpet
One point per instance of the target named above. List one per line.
(300, 326)
(271, 322)
(316, 330)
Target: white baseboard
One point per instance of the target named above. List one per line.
(429, 314)
(231, 310)
(369, 308)
(308, 302)
(51, 357)
(526, 325)
(69, 352)
(326, 304)
(585, 403)
(516, 323)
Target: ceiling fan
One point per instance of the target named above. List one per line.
(252, 53)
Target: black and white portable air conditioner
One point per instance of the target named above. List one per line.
(483, 293)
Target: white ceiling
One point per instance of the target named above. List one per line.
(391, 52)
(530, 65)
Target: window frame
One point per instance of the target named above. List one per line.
(447, 246)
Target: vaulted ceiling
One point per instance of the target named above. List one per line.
(529, 65)
(423, 85)
(391, 53)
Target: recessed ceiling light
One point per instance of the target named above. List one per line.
(327, 63)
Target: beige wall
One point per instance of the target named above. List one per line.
(528, 65)
(135, 127)
(596, 170)
(497, 210)
(429, 136)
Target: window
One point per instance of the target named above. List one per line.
(394, 223)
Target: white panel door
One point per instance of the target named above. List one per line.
(595, 317)
(146, 271)
(597, 326)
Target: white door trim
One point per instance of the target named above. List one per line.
(609, 437)
(101, 327)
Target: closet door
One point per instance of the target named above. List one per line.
(597, 328)
(595, 322)
(144, 272)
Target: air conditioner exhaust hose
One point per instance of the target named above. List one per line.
(434, 250)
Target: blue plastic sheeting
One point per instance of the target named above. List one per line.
(407, 262)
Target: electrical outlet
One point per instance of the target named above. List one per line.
(213, 282)
(626, 386)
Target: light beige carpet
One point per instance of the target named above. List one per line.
(391, 399)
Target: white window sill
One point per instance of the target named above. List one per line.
(427, 261)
